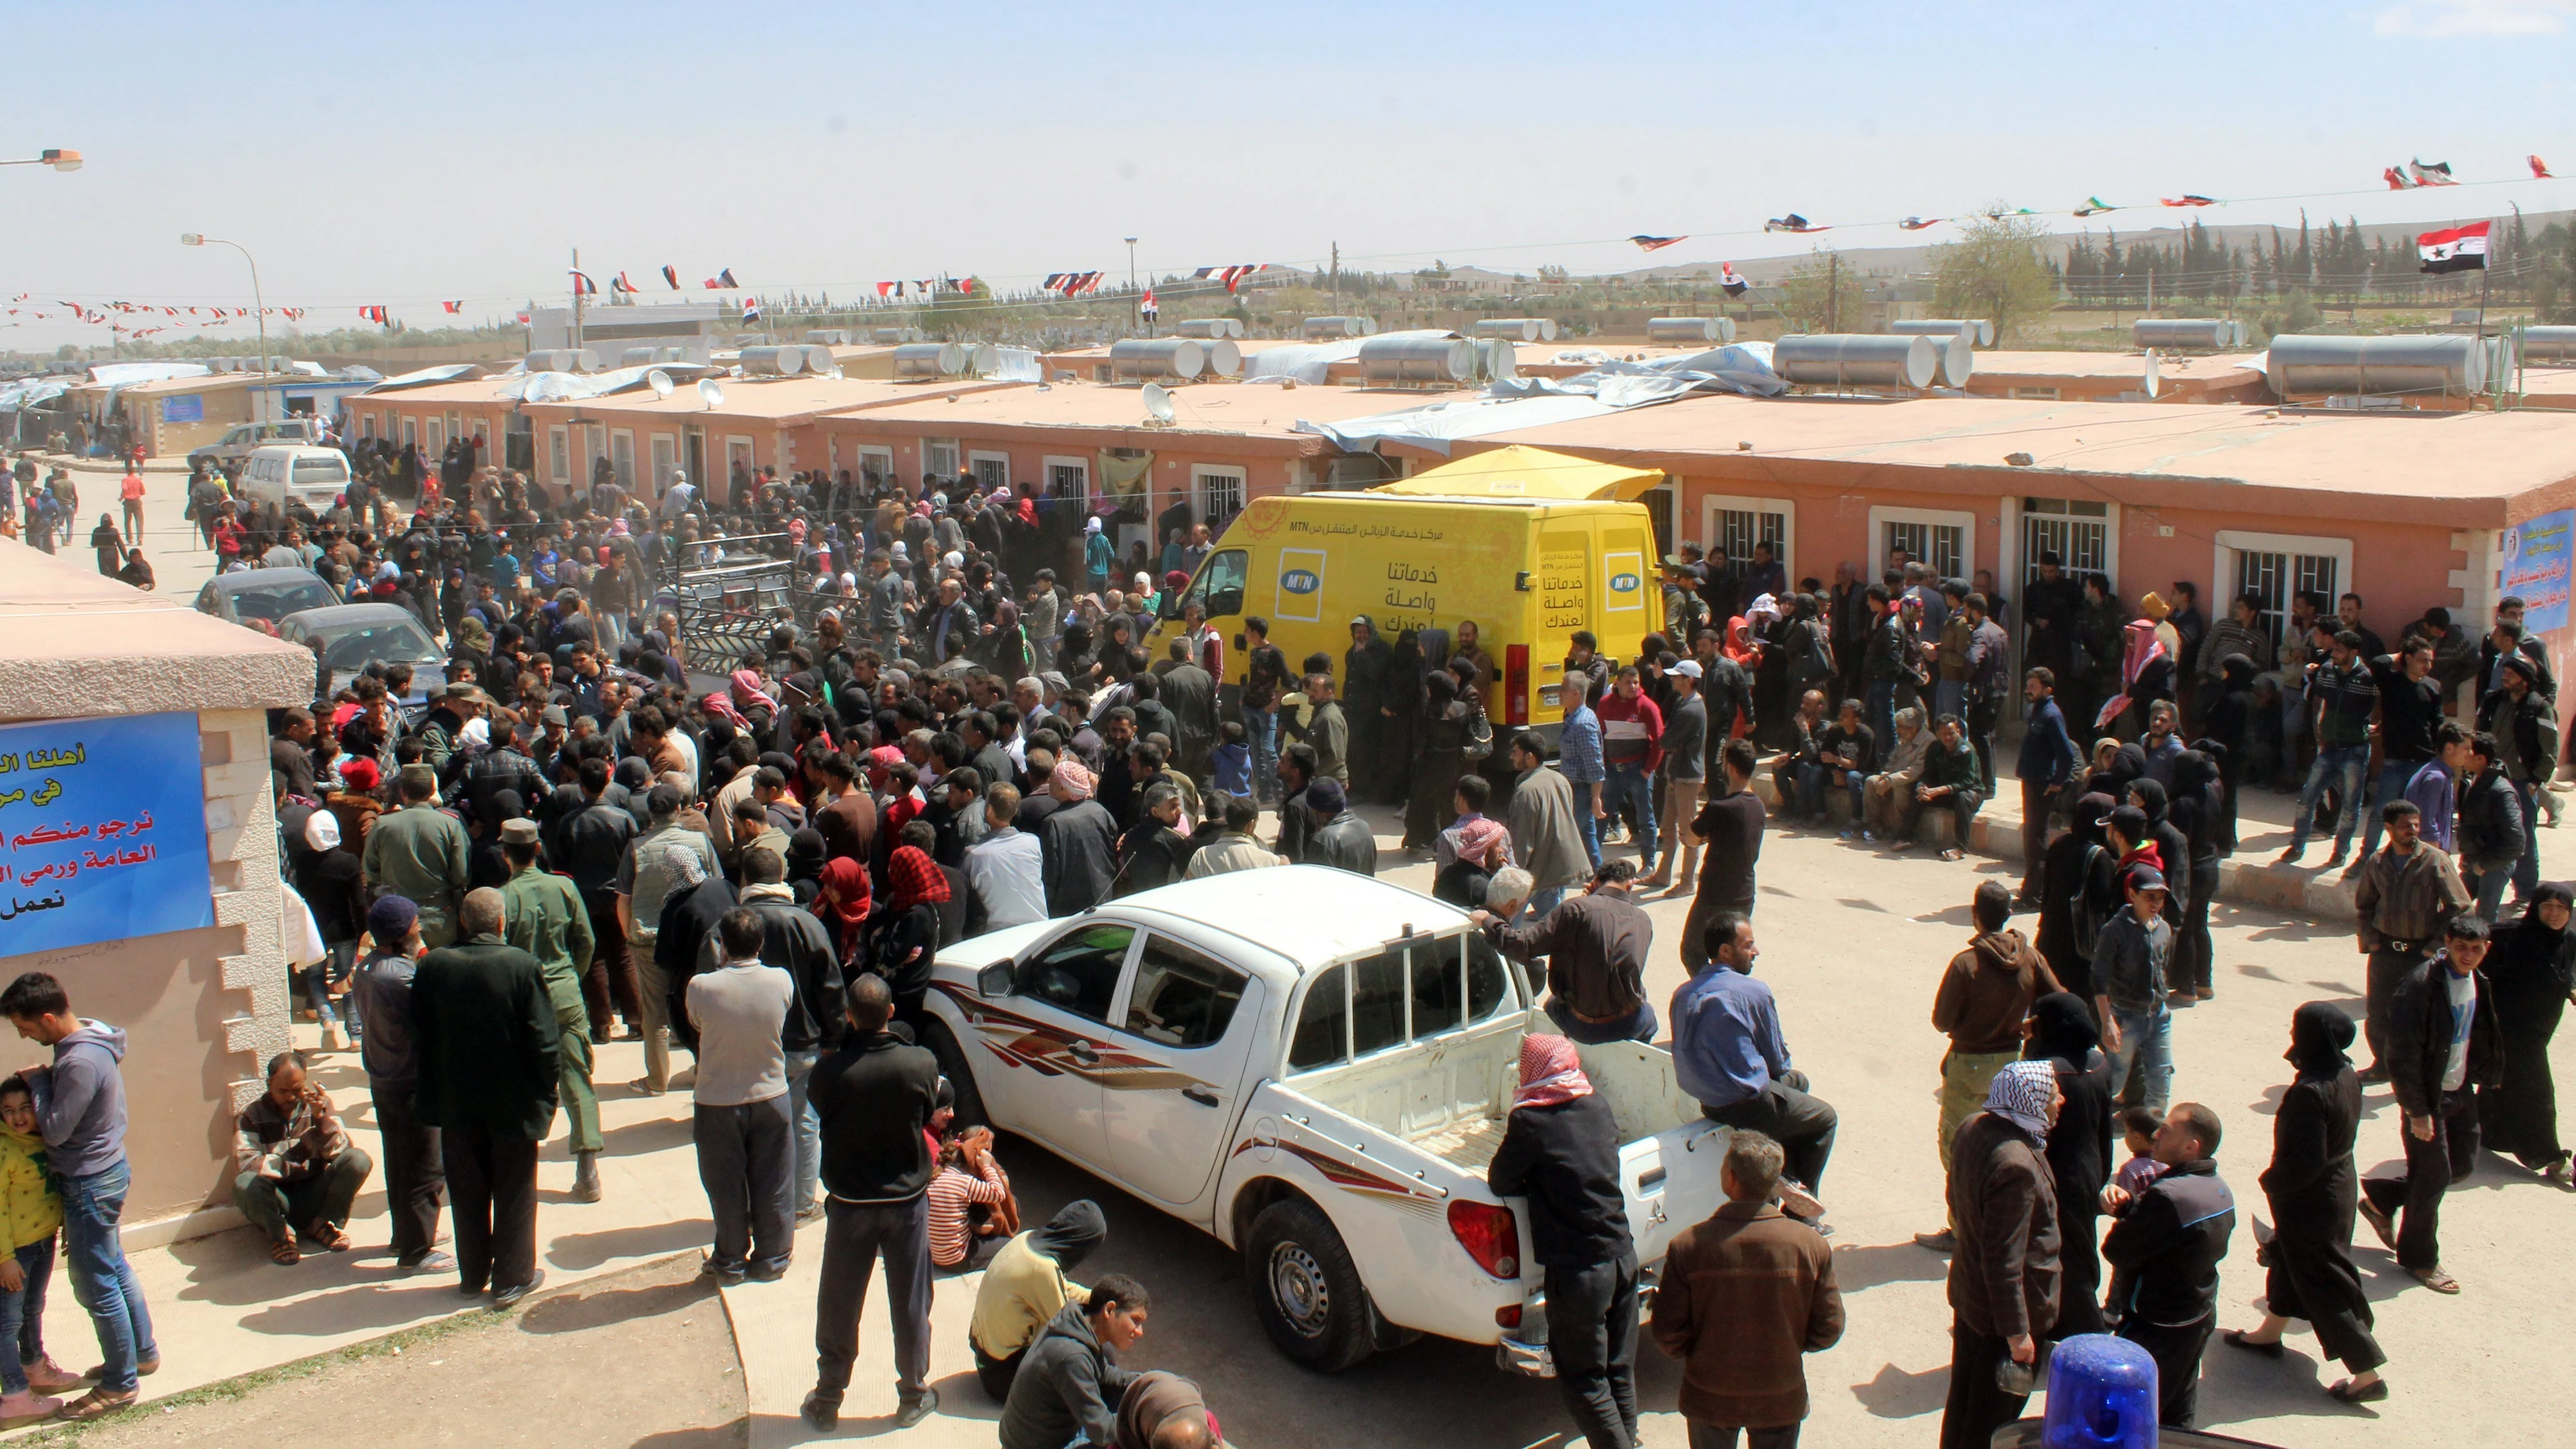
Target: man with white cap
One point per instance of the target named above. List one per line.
(1684, 770)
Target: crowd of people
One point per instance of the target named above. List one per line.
(595, 826)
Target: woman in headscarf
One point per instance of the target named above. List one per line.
(1117, 638)
(1401, 725)
(1005, 651)
(805, 852)
(2532, 973)
(2192, 808)
(751, 702)
(841, 901)
(2079, 889)
(2314, 1188)
(1439, 762)
(2061, 1032)
(1025, 1287)
(907, 929)
(110, 546)
(485, 865)
(1556, 1150)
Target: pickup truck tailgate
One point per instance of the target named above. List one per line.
(1668, 1153)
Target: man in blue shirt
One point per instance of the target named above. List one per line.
(2047, 763)
(1578, 755)
(1729, 1052)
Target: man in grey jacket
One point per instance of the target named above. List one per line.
(80, 1111)
(1546, 839)
(1069, 1385)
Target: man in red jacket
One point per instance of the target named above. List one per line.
(1632, 734)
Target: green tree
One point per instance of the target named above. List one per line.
(1994, 271)
(1822, 294)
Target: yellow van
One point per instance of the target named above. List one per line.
(1529, 544)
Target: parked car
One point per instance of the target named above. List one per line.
(229, 451)
(356, 635)
(261, 597)
(1316, 1067)
(314, 477)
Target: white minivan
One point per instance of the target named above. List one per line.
(314, 477)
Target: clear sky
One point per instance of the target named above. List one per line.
(410, 155)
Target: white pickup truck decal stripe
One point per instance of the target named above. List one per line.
(1047, 1049)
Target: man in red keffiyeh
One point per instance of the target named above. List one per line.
(1560, 1149)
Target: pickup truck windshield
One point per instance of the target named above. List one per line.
(1403, 994)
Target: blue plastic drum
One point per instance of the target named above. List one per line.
(2101, 1395)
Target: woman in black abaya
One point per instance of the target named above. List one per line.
(2061, 1031)
(2314, 1187)
(2532, 972)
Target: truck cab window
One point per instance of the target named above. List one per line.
(1322, 1023)
(1220, 583)
(1377, 1002)
(1079, 972)
(1181, 998)
(1489, 979)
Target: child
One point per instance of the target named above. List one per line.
(1231, 760)
(30, 1210)
(2138, 1128)
(972, 1211)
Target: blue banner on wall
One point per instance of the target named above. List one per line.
(2536, 559)
(189, 408)
(102, 832)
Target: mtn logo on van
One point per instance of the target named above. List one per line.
(1301, 581)
(1623, 583)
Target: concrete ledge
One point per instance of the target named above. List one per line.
(1996, 832)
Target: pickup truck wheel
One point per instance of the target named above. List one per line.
(961, 1078)
(1308, 1293)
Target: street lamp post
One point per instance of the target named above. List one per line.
(56, 157)
(259, 308)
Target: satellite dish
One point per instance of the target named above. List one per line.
(708, 389)
(2149, 382)
(659, 381)
(1158, 401)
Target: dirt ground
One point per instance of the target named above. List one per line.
(547, 1374)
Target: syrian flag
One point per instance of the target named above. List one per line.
(1918, 223)
(453, 307)
(376, 315)
(619, 283)
(583, 286)
(722, 281)
(2461, 249)
(1647, 243)
(2187, 199)
(751, 309)
(2437, 174)
(1147, 306)
(1726, 277)
(2396, 179)
(889, 289)
(2539, 169)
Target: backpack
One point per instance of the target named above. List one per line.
(2086, 918)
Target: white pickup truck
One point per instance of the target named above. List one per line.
(1316, 1067)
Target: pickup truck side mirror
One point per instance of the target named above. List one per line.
(994, 980)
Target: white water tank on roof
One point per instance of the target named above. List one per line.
(2439, 366)
(1153, 357)
(1978, 331)
(1857, 360)
(929, 359)
(1419, 359)
(2207, 334)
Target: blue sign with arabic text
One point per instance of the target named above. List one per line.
(102, 832)
(2536, 569)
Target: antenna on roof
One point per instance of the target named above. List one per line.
(708, 389)
(1158, 402)
(659, 381)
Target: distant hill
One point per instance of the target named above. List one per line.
(1917, 259)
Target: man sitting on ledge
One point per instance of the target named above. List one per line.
(299, 1173)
